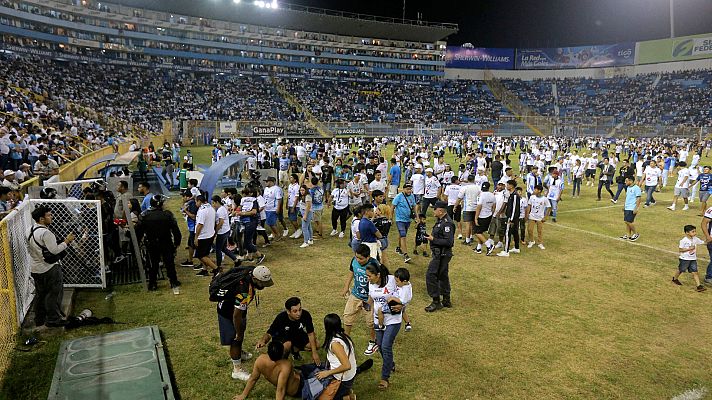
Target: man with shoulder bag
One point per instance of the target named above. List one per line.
(46, 268)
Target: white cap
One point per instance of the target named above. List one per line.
(428, 170)
(264, 275)
(8, 172)
(418, 166)
(195, 191)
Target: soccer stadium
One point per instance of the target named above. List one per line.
(256, 199)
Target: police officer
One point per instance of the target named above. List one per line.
(441, 241)
(162, 239)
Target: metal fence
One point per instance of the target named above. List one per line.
(19, 223)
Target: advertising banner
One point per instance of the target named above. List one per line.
(678, 49)
(577, 57)
(228, 127)
(479, 58)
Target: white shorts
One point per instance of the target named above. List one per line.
(392, 191)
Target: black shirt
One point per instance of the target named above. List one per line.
(283, 327)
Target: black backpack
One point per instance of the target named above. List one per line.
(224, 286)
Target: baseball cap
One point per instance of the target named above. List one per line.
(8, 172)
(195, 191)
(428, 170)
(264, 275)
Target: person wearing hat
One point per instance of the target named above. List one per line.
(163, 237)
(23, 173)
(441, 241)
(433, 190)
(9, 180)
(232, 314)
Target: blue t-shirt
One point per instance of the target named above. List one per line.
(192, 208)
(395, 175)
(360, 289)
(705, 180)
(668, 161)
(631, 197)
(402, 205)
(317, 195)
(146, 203)
(283, 164)
(367, 229)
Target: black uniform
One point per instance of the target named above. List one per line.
(436, 278)
(163, 237)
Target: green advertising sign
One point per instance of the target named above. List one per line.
(678, 49)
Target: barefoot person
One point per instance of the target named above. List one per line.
(278, 371)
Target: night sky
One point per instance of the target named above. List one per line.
(544, 23)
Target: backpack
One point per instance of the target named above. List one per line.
(224, 285)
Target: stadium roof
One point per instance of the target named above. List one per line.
(290, 16)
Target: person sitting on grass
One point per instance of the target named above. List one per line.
(688, 256)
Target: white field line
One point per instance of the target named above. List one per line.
(619, 240)
(692, 394)
(590, 209)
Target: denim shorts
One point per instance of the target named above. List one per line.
(384, 243)
(271, 218)
(354, 244)
(292, 214)
(402, 228)
(687, 265)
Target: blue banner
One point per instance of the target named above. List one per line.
(577, 57)
(479, 58)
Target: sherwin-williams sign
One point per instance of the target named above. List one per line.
(679, 49)
(479, 58)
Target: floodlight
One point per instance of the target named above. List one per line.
(236, 1)
(274, 4)
(260, 3)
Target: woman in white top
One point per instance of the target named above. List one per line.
(381, 286)
(304, 204)
(341, 355)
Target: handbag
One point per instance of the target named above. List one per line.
(47, 256)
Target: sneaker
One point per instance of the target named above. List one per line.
(311, 242)
(298, 234)
(119, 258)
(685, 208)
(408, 327)
(502, 254)
(490, 249)
(634, 237)
(246, 356)
(176, 290)
(285, 233)
(624, 237)
(671, 208)
(434, 306)
(271, 236)
(499, 245)
(266, 245)
(202, 272)
(399, 251)
(541, 246)
(553, 219)
(478, 251)
(699, 289)
(459, 237)
(198, 267)
(614, 201)
(530, 245)
(416, 252)
(187, 263)
(676, 281)
(406, 258)
(708, 281)
(447, 303)
(261, 258)
(240, 374)
(304, 245)
(371, 349)
(515, 251)
(341, 235)
(333, 233)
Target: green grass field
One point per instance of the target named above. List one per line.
(590, 317)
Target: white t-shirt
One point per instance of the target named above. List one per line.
(261, 203)
(377, 185)
(432, 184)
(469, 194)
(292, 194)
(639, 168)
(452, 192)
(685, 243)
(354, 227)
(356, 189)
(538, 206)
(555, 189)
(380, 297)
(652, 174)
(341, 198)
(206, 217)
(273, 196)
(486, 200)
(480, 179)
(681, 175)
(499, 199)
(418, 183)
(222, 214)
(523, 203)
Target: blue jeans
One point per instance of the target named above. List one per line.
(554, 207)
(385, 340)
(307, 228)
(649, 190)
(249, 236)
(708, 275)
(221, 247)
